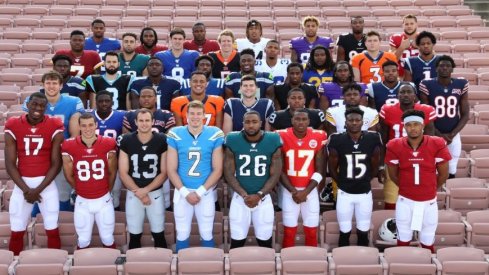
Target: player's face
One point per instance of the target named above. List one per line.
(63, 67)
(406, 95)
(311, 28)
(248, 88)
(354, 123)
(252, 125)
(198, 83)
(147, 99)
(128, 44)
(272, 50)
(294, 75)
(199, 33)
(88, 128)
(300, 122)
(144, 123)
(414, 129)
(254, 33)
(149, 38)
(195, 117)
(98, 30)
(425, 46)
(111, 64)
(391, 73)
(205, 66)
(177, 42)
(342, 72)
(155, 68)
(410, 26)
(77, 42)
(351, 98)
(320, 57)
(357, 25)
(296, 100)
(52, 87)
(372, 43)
(104, 103)
(226, 43)
(444, 68)
(35, 109)
(247, 63)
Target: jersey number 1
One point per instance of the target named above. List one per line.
(308, 154)
(357, 159)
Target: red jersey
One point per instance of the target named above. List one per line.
(90, 165)
(392, 116)
(34, 143)
(157, 48)
(83, 65)
(417, 169)
(299, 154)
(395, 41)
(209, 46)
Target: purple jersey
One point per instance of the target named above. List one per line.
(334, 92)
(302, 47)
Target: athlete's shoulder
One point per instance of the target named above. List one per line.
(108, 142)
(176, 133)
(264, 76)
(214, 132)
(179, 100)
(272, 137)
(215, 99)
(91, 54)
(233, 77)
(389, 55)
(232, 137)
(460, 81)
(437, 142)
(396, 144)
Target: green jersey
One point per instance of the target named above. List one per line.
(135, 66)
(253, 160)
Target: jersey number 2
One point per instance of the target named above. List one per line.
(260, 165)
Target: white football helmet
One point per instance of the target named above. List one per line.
(388, 230)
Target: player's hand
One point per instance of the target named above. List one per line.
(140, 192)
(405, 43)
(447, 137)
(381, 176)
(300, 196)
(146, 200)
(32, 196)
(252, 200)
(193, 198)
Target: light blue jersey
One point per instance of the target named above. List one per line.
(194, 153)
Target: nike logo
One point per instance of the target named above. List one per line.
(432, 203)
(157, 197)
(107, 200)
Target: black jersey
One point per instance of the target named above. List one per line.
(283, 119)
(222, 67)
(281, 91)
(351, 45)
(119, 88)
(144, 159)
(354, 173)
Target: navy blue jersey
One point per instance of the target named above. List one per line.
(263, 81)
(74, 86)
(446, 101)
(382, 94)
(180, 67)
(111, 126)
(215, 86)
(163, 121)
(420, 69)
(235, 108)
(118, 87)
(165, 90)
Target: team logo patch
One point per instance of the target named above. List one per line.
(457, 91)
(299, 142)
(313, 143)
(89, 151)
(415, 154)
(33, 130)
(194, 142)
(355, 146)
(144, 148)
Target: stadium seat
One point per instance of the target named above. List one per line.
(42, 261)
(11, 10)
(409, 260)
(9, 98)
(26, 60)
(378, 218)
(151, 260)
(434, 11)
(170, 234)
(54, 21)
(36, 9)
(483, 118)
(377, 3)
(454, 34)
(22, 33)
(480, 168)
(330, 231)
(469, 21)
(461, 260)
(210, 12)
(120, 234)
(333, 12)
(465, 46)
(358, 11)
(78, 22)
(44, 34)
(132, 22)
(450, 230)
(4, 230)
(111, 10)
(468, 196)
(471, 77)
(139, 3)
(15, 76)
(477, 224)
(87, 11)
(382, 11)
(463, 167)
(449, 2)
(251, 260)
(355, 260)
(95, 261)
(421, 3)
(306, 11)
(66, 231)
(203, 260)
(6, 259)
(474, 136)
(303, 260)
(258, 4)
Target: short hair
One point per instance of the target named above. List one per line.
(86, 115)
(103, 92)
(374, 33)
(130, 34)
(225, 32)
(38, 95)
(335, 68)
(412, 112)
(295, 64)
(247, 51)
(111, 53)
(410, 16)
(252, 112)
(389, 63)
(143, 111)
(247, 78)
(202, 57)
(272, 41)
(293, 90)
(354, 110)
(445, 58)
(197, 73)
(424, 34)
(96, 21)
(177, 31)
(198, 24)
(76, 32)
(148, 88)
(155, 58)
(59, 57)
(52, 75)
(351, 86)
(148, 29)
(410, 84)
(301, 110)
(310, 18)
(356, 17)
(195, 104)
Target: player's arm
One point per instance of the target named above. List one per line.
(145, 72)
(407, 74)
(172, 168)
(227, 125)
(178, 119)
(11, 163)
(442, 173)
(293, 55)
(68, 170)
(275, 172)
(375, 162)
(85, 98)
(464, 114)
(330, 128)
(371, 102)
(91, 98)
(384, 131)
(112, 162)
(228, 93)
(312, 104)
(316, 178)
(230, 171)
(56, 163)
(219, 119)
(124, 171)
(74, 125)
(356, 74)
(333, 163)
(217, 164)
(393, 172)
(429, 129)
(284, 180)
(340, 53)
(271, 95)
(323, 103)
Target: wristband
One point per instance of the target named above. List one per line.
(200, 191)
(317, 177)
(183, 191)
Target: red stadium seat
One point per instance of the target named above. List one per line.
(37, 9)
(26, 60)
(303, 259)
(409, 260)
(201, 260)
(330, 231)
(31, 21)
(42, 261)
(87, 11)
(450, 230)
(65, 10)
(263, 260)
(17, 33)
(355, 260)
(151, 260)
(461, 260)
(6, 259)
(95, 261)
(477, 233)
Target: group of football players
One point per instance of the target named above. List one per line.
(205, 110)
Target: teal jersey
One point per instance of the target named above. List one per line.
(194, 153)
(135, 66)
(253, 160)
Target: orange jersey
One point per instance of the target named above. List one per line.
(212, 105)
(371, 68)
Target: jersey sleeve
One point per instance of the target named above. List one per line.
(423, 88)
(79, 105)
(331, 143)
(375, 120)
(170, 120)
(172, 138)
(442, 154)
(330, 118)
(369, 91)
(430, 113)
(272, 120)
(65, 147)
(163, 141)
(383, 111)
(59, 126)
(355, 61)
(9, 127)
(407, 65)
(466, 87)
(219, 103)
(175, 105)
(394, 41)
(391, 157)
(90, 86)
(277, 141)
(122, 143)
(111, 145)
(270, 109)
(228, 107)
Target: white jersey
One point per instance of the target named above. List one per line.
(244, 43)
(279, 71)
(336, 116)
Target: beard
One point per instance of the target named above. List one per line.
(112, 71)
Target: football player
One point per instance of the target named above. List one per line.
(200, 43)
(98, 42)
(319, 66)
(273, 65)
(450, 98)
(422, 66)
(142, 168)
(215, 86)
(132, 63)
(90, 167)
(253, 163)
(32, 161)
(253, 40)
(149, 42)
(226, 60)
(353, 160)
(384, 92)
(72, 85)
(302, 151)
(196, 155)
(300, 47)
(418, 164)
(403, 44)
(351, 44)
